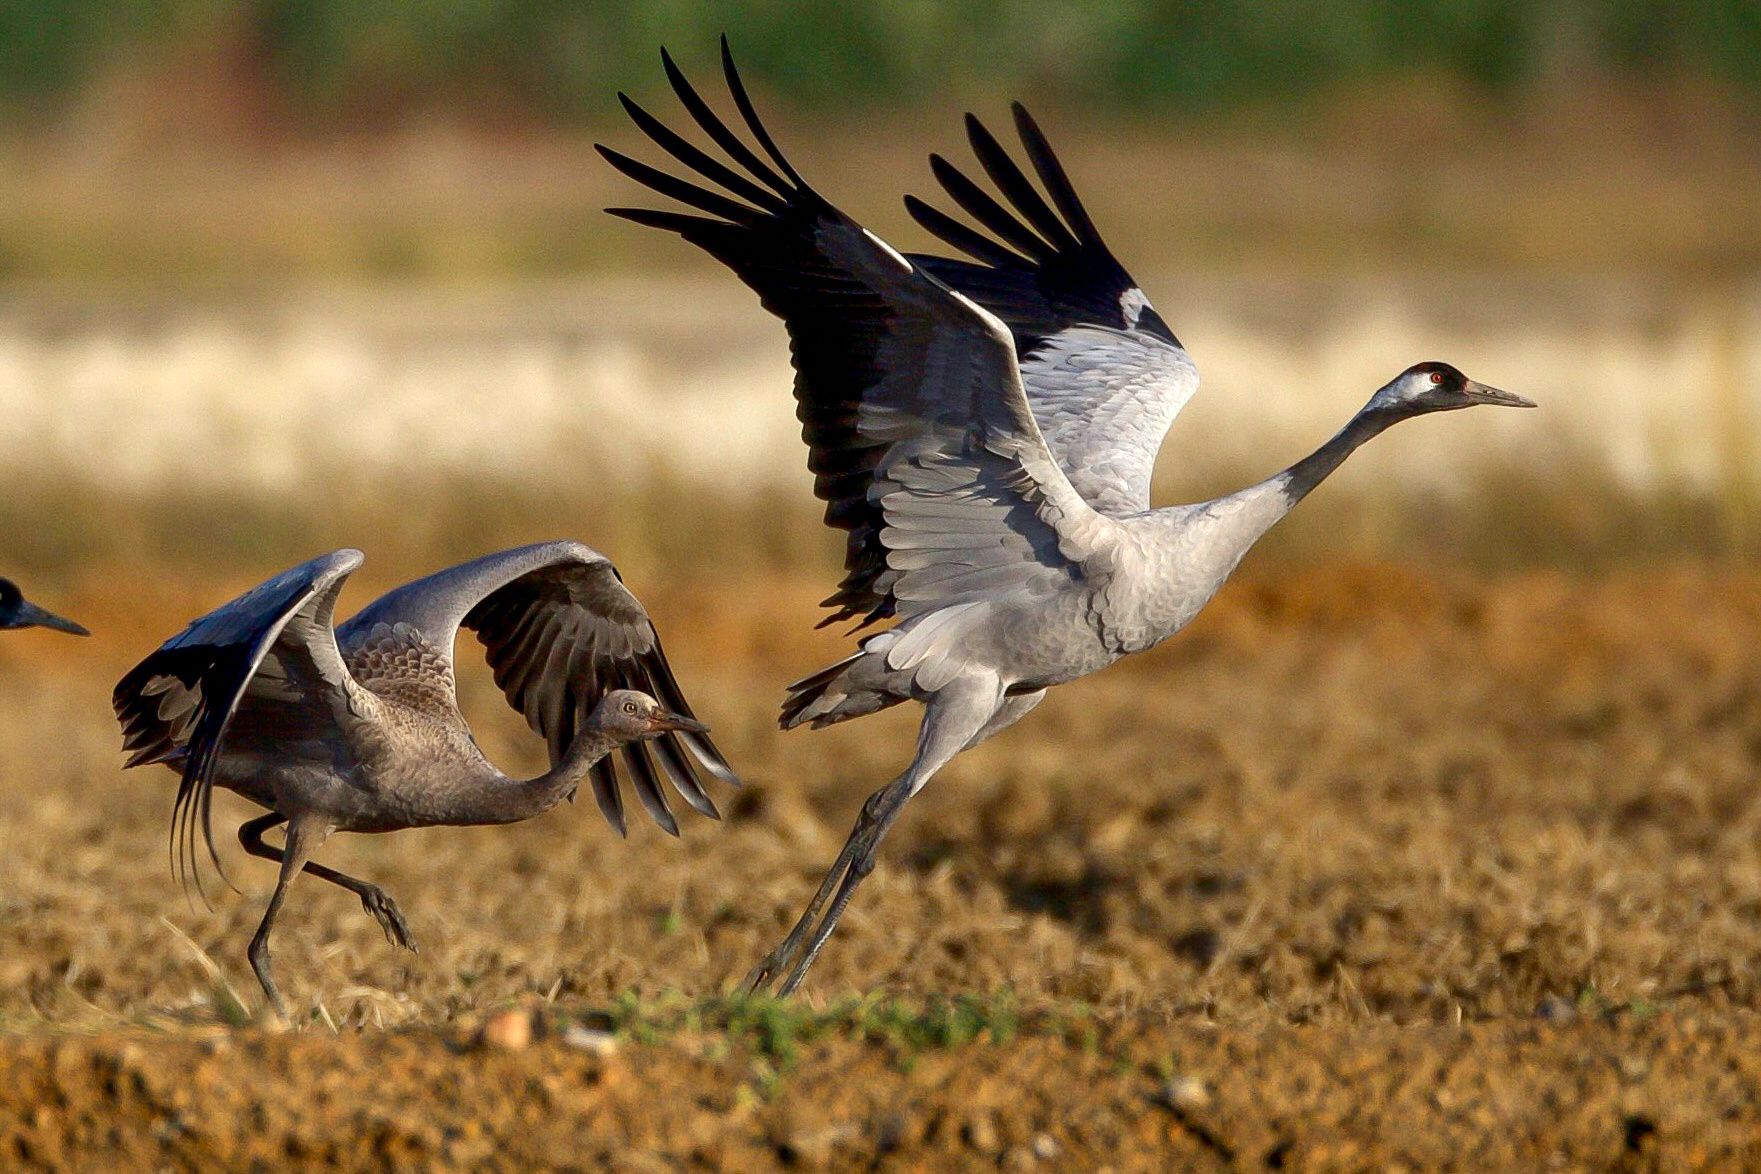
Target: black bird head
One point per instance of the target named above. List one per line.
(18, 612)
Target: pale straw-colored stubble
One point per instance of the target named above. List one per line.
(616, 380)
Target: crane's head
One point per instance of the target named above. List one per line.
(632, 715)
(1438, 387)
(18, 612)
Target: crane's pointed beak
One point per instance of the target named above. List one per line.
(670, 722)
(30, 615)
(1479, 393)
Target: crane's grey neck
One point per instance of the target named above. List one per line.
(1209, 539)
(1299, 479)
(512, 800)
(1238, 521)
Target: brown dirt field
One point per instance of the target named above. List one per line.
(1372, 866)
(1670, 1092)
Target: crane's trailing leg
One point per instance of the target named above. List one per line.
(304, 834)
(870, 825)
(955, 718)
(374, 899)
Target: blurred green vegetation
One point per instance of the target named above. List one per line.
(339, 60)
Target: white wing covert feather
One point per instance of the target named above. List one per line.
(1102, 371)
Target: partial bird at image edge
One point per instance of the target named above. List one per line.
(18, 612)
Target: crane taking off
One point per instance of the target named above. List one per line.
(984, 431)
(357, 727)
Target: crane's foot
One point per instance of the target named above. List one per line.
(259, 956)
(791, 958)
(762, 978)
(772, 964)
(796, 952)
(378, 902)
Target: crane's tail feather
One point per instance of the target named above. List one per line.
(837, 693)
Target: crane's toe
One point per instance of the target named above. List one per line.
(763, 979)
(378, 902)
(757, 981)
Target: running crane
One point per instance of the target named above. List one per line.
(357, 728)
(984, 432)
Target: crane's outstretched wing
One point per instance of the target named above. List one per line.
(561, 630)
(261, 670)
(1105, 375)
(920, 437)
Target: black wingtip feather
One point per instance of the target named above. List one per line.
(743, 102)
(982, 207)
(684, 191)
(668, 749)
(1015, 186)
(974, 244)
(1052, 174)
(677, 222)
(647, 786)
(609, 798)
(660, 673)
(705, 165)
(718, 130)
(671, 757)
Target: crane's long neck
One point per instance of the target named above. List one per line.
(1296, 481)
(1224, 530)
(508, 800)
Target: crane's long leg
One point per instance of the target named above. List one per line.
(374, 899)
(304, 834)
(870, 825)
(953, 720)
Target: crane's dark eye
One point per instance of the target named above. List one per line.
(629, 707)
(1436, 377)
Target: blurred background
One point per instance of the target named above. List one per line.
(270, 272)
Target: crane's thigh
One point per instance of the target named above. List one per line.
(1011, 711)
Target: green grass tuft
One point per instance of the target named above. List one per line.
(775, 1029)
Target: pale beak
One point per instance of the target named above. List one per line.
(1479, 393)
(30, 615)
(669, 722)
